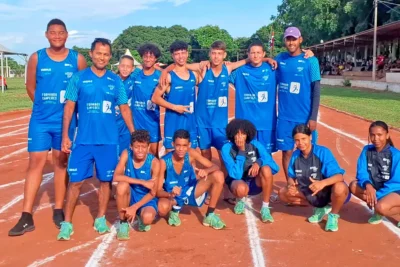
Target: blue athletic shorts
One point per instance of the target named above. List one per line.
(168, 140)
(135, 198)
(284, 139)
(211, 137)
(322, 198)
(189, 197)
(254, 189)
(82, 158)
(124, 141)
(44, 136)
(267, 139)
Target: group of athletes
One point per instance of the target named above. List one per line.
(90, 117)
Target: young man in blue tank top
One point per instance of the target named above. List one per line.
(298, 77)
(180, 97)
(49, 70)
(95, 91)
(137, 173)
(181, 183)
(146, 114)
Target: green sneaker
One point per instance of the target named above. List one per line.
(66, 231)
(332, 223)
(398, 224)
(319, 214)
(266, 215)
(123, 231)
(213, 220)
(239, 207)
(375, 219)
(142, 227)
(173, 218)
(100, 225)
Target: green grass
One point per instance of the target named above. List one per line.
(15, 98)
(369, 104)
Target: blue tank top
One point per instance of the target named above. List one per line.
(256, 95)
(122, 129)
(294, 87)
(212, 100)
(97, 98)
(142, 173)
(182, 92)
(185, 179)
(146, 114)
(51, 82)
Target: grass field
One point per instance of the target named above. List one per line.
(15, 98)
(369, 104)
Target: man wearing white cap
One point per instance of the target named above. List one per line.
(298, 93)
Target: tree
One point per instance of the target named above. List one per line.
(85, 53)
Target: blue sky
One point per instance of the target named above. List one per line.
(23, 22)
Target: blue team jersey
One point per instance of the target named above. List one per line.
(142, 173)
(295, 76)
(51, 82)
(185, 179)
(96, 98)
(320, 164)
(182, 92)
(146, 114)
(256, 95)
(380, 169)
(212, 100)
(122, 129)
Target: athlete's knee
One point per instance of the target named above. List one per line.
(122, 189)
(37, 160)
(283, 193)
(353, 186)
(218, 177)
(340, 189)
(75, 185)
(266, 173)
(60, 159)
(147, 217)
(382, 208)
(164, 206)
(241, 190)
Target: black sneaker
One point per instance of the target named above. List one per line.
(25, 224)
(58, 217)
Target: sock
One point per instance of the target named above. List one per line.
(58, 211)
(210, 210)
(176, 208)
(27, 217)
(123, 221)
(265, 204)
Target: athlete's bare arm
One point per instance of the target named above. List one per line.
(31, 76)
(82, 64)
(161, 179)
(69, 109)
(209, 167)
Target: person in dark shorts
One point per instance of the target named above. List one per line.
(316, 179)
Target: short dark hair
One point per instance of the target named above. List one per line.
(178, 45)
(103, 41)
(218, 45)
(245, 126)
(256, 43)
(183, 134)
(149, 48)
(56, 22)
(126, 56)
(141, 136)
(301, 128)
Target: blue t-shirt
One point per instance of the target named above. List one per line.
(320, 164)
(146, 114)
(51, 81)
(380, 169)
(295, 76)
(96, 98)
(142, 173)
(256, 95)
(212, 100)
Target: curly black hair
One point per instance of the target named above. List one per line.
(149, 48)
(141, 136)
(178, 45)
(183, 134)
(244, 126)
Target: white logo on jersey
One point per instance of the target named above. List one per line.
(107, 107)
(265, 78)
(87, 81)
(210, 81)
(282, 63)
(62, 96)
(151, 105)
(387, 160)
(191, 109)
(314, 169)
(295, 88)
(129, 101)
(69, 74)
(111, 79)
(222, 101)
(67, 65)
(301, 61)
(111, 87)
(45, 69)
(262, 96)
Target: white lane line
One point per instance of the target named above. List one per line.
(46, 178)
(12, 183)
(386, 222)
(16, 119)
(339, 149)
(12, 126)
(15, 144)
(254, 237)
(19, 151)
(102, 247)
(16, 132)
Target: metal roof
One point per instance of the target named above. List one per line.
(7, 51)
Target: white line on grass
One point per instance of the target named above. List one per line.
(387, 223)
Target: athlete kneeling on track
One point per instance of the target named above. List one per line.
(316, 179)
